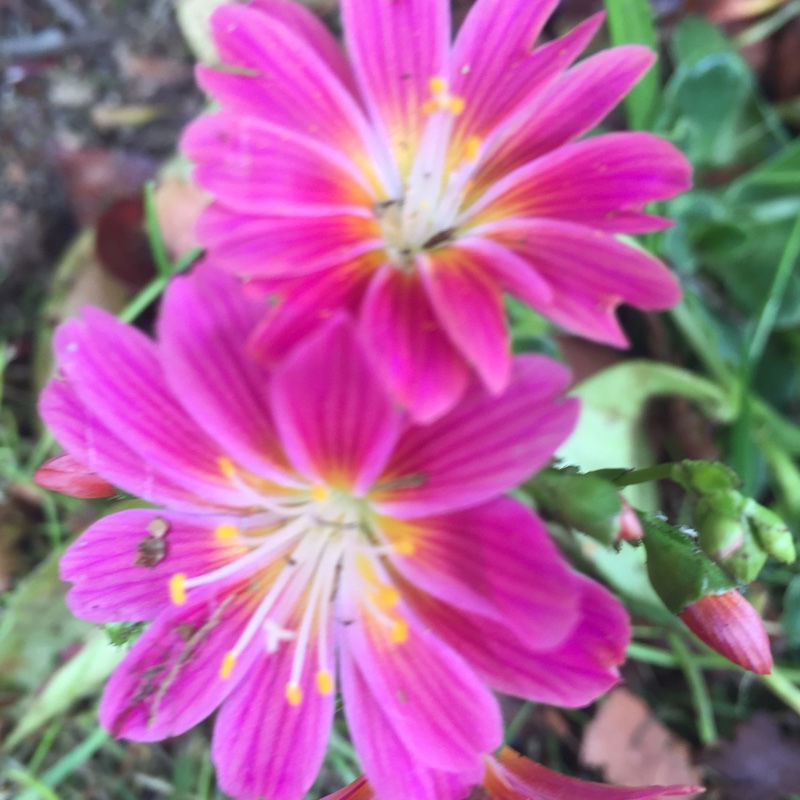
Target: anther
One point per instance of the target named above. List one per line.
(319, 494)
(387, 596)
(404, 547)
(177, 588)
(437, 85)
(324, 681)
(399, 631)
(226, 531)
(294, 694)
(472, 149)
(226, 467)
(228, 663)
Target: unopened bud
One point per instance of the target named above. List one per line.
(66, 475)
(629, 528)
(728, 624)
(772, 533)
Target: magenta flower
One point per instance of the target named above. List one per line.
(415, 183)
(511, 776)
(311, 537)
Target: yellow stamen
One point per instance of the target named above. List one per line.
(365, 568)
(226, 531)
(294, 694)
(387, 596)
(472, 149)
(324, 681)
(319, 494)
(177, 588)
(228, 663)
(405, 547)
(455, 105)
(437, 84)
(226, 467)
(399, 631)
(430, 106)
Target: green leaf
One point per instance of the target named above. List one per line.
(790, 618)
(631, 22)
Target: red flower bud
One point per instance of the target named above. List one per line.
(630, 529)
(728, 624)
(66, 475)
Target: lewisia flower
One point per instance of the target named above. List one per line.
(312, 538)
(415, 183)
(511, 776)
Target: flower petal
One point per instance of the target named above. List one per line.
(170, 680)
(115, 371)
(396, 48)
(423, 369)
(279, 77)
(65, 474)
(568, 107)
(91, 443)
(122, 564)
(257, 167)
(482, 448)
(589, 182)
(431, 698)
(265, 746)
(260, 247)
(336, 419)
(470, 308)
(496, 560)
(204, 321)
(394, 771)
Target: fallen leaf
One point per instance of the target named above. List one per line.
(760, 764)
(632, 748)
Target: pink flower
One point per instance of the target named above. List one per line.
(511, 776)
(415, 183)
(312, 537)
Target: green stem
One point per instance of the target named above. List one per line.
(767, 26)
(779, 684)
(706, 724)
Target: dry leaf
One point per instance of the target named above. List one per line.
(633, 748)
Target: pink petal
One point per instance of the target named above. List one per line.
(309, 27)
(579, 262)
(336, 419)
(65, 474)
(573, 674)
(423, 369)
(91, 443)
(495, 65)
(204, 321)
(396, 48)
(115, 371)
(496, 560)
(394, 771)
(282, 79)
(482, 448)
(122, 564)
(171, 679)
(567, 108)
(263, 745)
(470, 308)
(528, 778)
(258, 246)
(435, 704)
(589, 182)
(256, 167)
(305, 304)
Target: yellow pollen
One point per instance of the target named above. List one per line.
(294, 694)
(404, 547)
(365, 568)
(437, 84)
(226, 467)
(319, 494)
(455, 105)
(228, 663)
(226, 531)
(177, 588)
(387, 596)
(472, 149)
(430, 106)
(324, 681)
(399, 631)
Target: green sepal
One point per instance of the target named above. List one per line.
(702, 477)
(123, 633)
(586, 503)
(678, 570)
(771, 532)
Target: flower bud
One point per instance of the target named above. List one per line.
(629, 527)
(772, 533)
(728, 624)
(66, 475)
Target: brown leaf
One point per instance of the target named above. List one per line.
(760, 764)
(633, 748)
